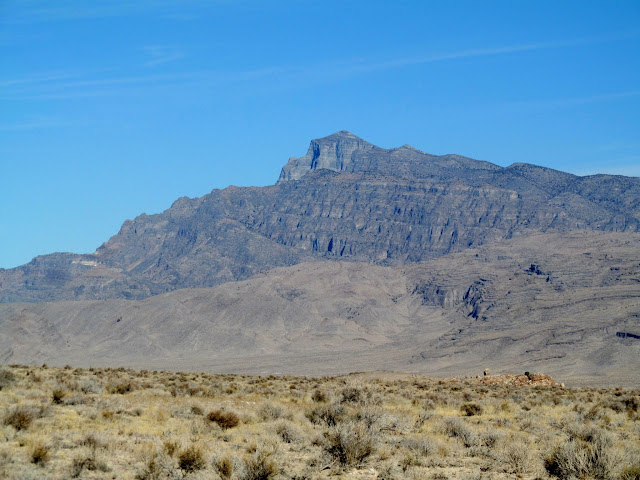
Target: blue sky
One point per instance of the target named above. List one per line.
(113, 108)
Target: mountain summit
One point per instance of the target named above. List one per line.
(336, 152)
(345, 152)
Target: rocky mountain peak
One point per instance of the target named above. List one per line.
(335, 152)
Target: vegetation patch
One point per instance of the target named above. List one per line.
(61, 423)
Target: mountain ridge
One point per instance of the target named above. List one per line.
(345, 199)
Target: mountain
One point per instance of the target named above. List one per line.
(346, 199)
(554, 302)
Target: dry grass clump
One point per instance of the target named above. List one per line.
(19, 417)
(60, 423)
(58, 394)
(191, 459)
(224, 420)
(224, 466)
(39, 453)
(471, 409)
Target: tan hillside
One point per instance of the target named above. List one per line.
(547, 302)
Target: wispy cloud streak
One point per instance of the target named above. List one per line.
(35, 123)
(161, 54)
(64, 85)
(550, 104)
(37, 11)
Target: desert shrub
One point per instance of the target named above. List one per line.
(191, 459)
(456, 428)
(92, 441)
(369, 416)
(351, 395)
(259, 466)
(516, 454)
(90, 385)
(327, 414)
(270, 411)
(593, 456)
(471, 409)
(224, 419)
(39, 453)
(359, 396)
(387, 471)
(153, 470)
(428, 405)
(288, 432)
(19, 417)
(107, 414)
(121, 387)
(629, 404)
(224, 466)
(490, 438)
(420, 446)
(439, 399)
(630, 473)
(319, 396)
(349, 443)
(87, 462)
(197, 409)
(170, 447)
(7, 377)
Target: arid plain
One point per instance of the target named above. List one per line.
(61, 423)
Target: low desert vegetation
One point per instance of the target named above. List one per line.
(104, 423)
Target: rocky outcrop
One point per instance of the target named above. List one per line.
(515, 380)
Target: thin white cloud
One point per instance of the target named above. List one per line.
(36, 122)
(364, 66)
(35, 78)
(550, 104)
(45, 11)
(161, 54)
(57, 85)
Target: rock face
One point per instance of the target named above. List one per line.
(346, 199)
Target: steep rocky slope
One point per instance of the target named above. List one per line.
(345, 199)
(510, 306)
